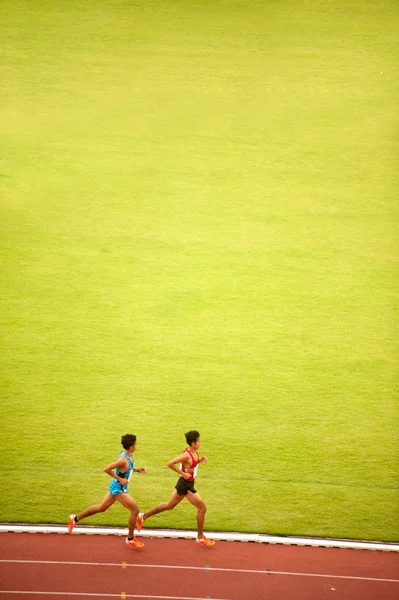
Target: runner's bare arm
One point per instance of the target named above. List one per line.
(142, 470)
(120, 464)
(185, 460)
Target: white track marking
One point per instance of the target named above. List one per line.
(97, 595)
(206, 568)
(220, 536)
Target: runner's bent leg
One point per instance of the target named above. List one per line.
(171, 503)
(200, 505)
(108, 501)
(128, 502)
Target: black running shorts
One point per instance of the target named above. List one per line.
(183, 486)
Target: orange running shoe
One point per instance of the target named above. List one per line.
(134, 543)
(139, 521)
(204, 541)
(71, 523)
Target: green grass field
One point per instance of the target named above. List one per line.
(199, 226)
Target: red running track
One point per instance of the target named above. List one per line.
(50, 566)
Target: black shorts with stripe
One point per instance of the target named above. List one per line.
(183, 486)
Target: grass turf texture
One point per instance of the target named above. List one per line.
(198, 229)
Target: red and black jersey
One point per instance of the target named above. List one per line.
(193, 469)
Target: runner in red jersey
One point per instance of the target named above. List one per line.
(185, 465)
(193, 469)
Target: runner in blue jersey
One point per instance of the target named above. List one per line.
(121, 472)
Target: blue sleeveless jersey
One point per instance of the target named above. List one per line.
(115, 487)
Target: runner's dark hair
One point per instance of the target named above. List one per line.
(192, 436)
(128, 440)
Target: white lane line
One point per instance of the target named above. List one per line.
(220, 536)
(97, 595)
(206, 568)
